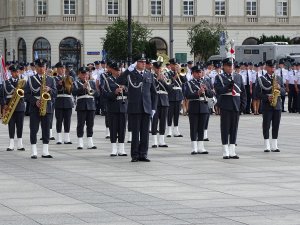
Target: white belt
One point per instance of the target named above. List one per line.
(37, 97)
(198, 99)
(64, 96)
(162, 92)
(177, 88)
(121, 97)
(85, 96)
(230, 93)
(8, 96)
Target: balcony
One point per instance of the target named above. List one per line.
(113, 18)
(220, 19)
(282, 20)
(251, 19)
(156, 19)
(69, 18)
(188, 19)
(40, 19)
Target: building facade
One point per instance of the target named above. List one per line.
(72, 30)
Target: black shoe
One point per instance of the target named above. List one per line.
(163, 146)
(107, 137)
(144, 160)
(283, 111)
(94, 147)
(267, 150)
(204, 153)
(205, 139)
(33, 157)
(119, 154)
(194, 153)
(79, 148)
(68, 143)
(276, 150)
(169, 135)
(47, 156)
(179, 135)
(9, 149)
(41, 139)
(58, 143)
(113, 155)
(52, 138)
(226, 157)
(154, 146)
(134, 160)
(27, 114)
(128, 141)
(234, 157)
(21, 149)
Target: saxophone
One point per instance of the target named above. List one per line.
(275, 92)
(13, 102)
(45, 96)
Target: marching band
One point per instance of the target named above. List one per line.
(148, 91)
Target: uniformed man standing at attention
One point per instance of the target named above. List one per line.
(230, 87)
(116, 96)
(38, 85)
(197, 91)
(270, 86)
(141, 106)
(63, 103)
(17, 119)
(84, 91)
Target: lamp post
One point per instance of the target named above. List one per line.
(129, 34)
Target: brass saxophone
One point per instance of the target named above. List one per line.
(275, 92)
(13, 102)
(45, 96)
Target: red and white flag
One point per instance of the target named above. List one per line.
(3, 71)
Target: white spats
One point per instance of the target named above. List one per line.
(67, 137)
(169, 131)
(90, 142)
(121, 150)
(129, 136)
(225, 151)
(33, 150)
(20, 143)
(154, 142)
(201, 146)
(267, 144)
(11, 144)
(114, 149)
(274, 144)
(59, 138)
(45, 149)
(51, 133)
(80, 142)
(205, 134)
(162, 139)
(176, 131)
(232, 150)
(194, 146)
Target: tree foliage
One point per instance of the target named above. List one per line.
(204, 38)
(115, 42)
(273, 38)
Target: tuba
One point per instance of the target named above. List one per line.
(44, 97)
(13, 102)
(275, 92)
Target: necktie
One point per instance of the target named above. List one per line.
(281, 72)
(247, 78)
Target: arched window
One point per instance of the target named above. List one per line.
(250, 41)
(5, 49)
(70, 52)
(22, 50)
(42, 50)
(161, 45)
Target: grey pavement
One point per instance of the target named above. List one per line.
(90, 187)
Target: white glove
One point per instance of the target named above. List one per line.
(132, 67)
(153, 112)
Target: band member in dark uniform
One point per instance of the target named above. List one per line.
(141, 106)
(175, 97)
(197, 91)
(229, 86)
(270, 88)
(163, 86)
(38, 86)
(116, 96)
(84, 90)
(63, 103)
(17, 118)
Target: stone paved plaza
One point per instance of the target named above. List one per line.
(90, 187)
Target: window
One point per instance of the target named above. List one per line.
(70, 52)
(188, 8)
(113, 7)
(69, 7)
(156, 7)
(251, 8)
(42, 50)
(41, 7)
(220, 7)
(22, 50)
(282, 8)
(22, 8)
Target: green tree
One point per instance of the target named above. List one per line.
(204, 38)
(273, 38)
(115, 41)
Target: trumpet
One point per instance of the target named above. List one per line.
(88, 88)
